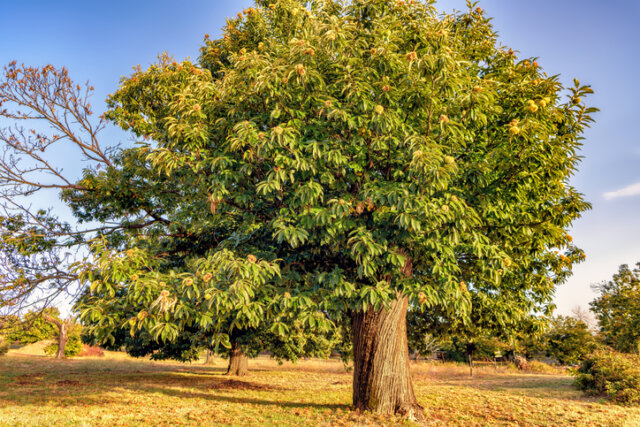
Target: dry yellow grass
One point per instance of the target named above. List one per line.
(119, 390)
(35, 349)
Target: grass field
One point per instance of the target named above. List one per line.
(118, 390)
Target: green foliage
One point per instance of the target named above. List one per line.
(457, 349)
(325, 157)
(73, 348)
(569, 340)
(301, 343)
(486, 328)
(185, 348)
(532, 344)
(618, 310)
(612, 374)
(298, 342)
(566, 339)
(32, 327)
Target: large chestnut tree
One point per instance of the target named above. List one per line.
(344, 160)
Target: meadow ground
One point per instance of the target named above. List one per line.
(119, 390)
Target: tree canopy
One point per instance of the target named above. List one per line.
(327, 151)
(327, 162)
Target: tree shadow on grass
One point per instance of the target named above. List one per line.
(208, 370)
(86, 383)
(185, 394)
(70, 393)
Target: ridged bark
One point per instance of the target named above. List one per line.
(381, 375)
(238, 362)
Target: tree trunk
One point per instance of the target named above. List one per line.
(238, 362)
(62, 339)
(381, 376)
(209, 359)
(471, 348)
(63, 333)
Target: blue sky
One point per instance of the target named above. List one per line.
(593, 40)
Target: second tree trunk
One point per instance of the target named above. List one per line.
(63, 336)
(238, 362)
(62, 340)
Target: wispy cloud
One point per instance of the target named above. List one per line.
(631, 190)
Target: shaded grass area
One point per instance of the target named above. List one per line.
(118, 390)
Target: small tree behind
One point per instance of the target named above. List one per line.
(69, 339)
(585, 316)
(569, 340)
(618, 309)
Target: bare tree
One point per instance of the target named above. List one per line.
(44, 112)
(585, 316)
(39, 250)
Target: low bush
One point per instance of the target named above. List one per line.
(73, 348)
(611, 374)
(4, 347)
(91, 351)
